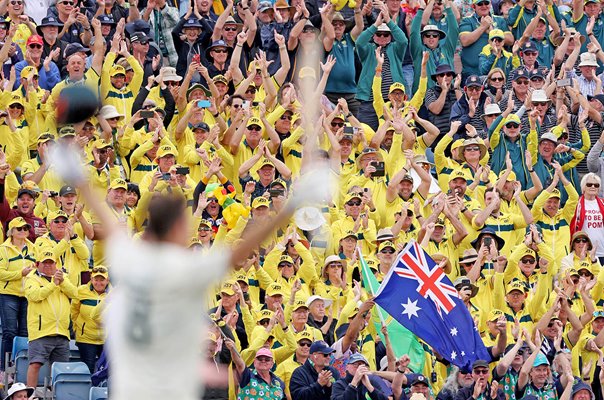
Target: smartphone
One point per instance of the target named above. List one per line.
(204, 104)
(166, 177)
(564, 82)
(487, 241)
(246, 104)
(147, 114)
(276, 192)
(380, 168)
(348, 130)
(197, 58)
(83, 10)
(182, 171)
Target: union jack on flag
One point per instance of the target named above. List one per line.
(419, 295)
(416, 264)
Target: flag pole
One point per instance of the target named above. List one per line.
(371, 289)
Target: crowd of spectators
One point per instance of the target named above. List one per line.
(474, 127)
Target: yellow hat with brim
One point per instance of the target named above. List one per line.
(18, 222)
(348, 234)
(458, 173)
(285, 259)
(554, 193)
(28, 72)
(45, 137)
(227, 287)
(396, 86)
(100, 270)
(265, 162)
(118, 183)
(254, 121)
(457, 144)
(56, 214)
(496, 34)
(166, 150)
(511, 177)
(304, 335)
(117, 70)
(240, 277)
(264, 314)
(275, 289)
(385, 244)
(516, 285)
(494, 314)
(299, 304)
(102, 144)
(351, 196)
(67, 130)
(195, 242)
(512, 118)
(529, 252)
(260, 202)
(46, 255)
(16, 99)
(572, 272)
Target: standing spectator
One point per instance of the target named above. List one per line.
(76, 26)
(162, 18)
(589, 215)
(48, 291)
(595, 160)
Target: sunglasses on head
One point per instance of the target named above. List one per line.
(497, 79)
(352, 203)
(382, 34)
(431, 35)
(338, 124)
(594, 185)
(35, 46)
(102, 270)
(528, 260)
(512, 125)
(522, 82)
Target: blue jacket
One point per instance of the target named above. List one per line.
(304, 386)
(343, 391)
(46, 80)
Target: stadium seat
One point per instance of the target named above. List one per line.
(20, 345)
(98, 393)
(21, 362)
(74, 352)
(70, 381)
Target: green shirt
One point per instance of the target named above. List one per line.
(470, 54)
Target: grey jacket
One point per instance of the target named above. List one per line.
(595, 162)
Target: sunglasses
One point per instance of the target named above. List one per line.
(35, 46)
(308, 30)
(481, 371)
(283, 265)
(230, 29)
(235, 106)
(264, 322)
(354, 203)
(254, 128)
(113, 119)
(287, 117)
(431, 35)
(497, 79)
(66, 3)
(59, 221)
(204, 229)
(450, 74)
(387, 251)
(102, 270)
(335, 265)
(474, 88)
(338, 124)
(264, 359)
(594, 185)
(581, 240)
(213, 200)
(21, 228)
(585, 273)
(382, 34)
(218, 51)
(19, 106)
(498, 40)
(539, 103)
(17, 3)
(528, 261)
(522, 82)
(483, 3)
(537, 78)
(305, 344)
(512, 125)
(472, 148)
(171, 83)
(250, 91)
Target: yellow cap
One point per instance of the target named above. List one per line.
(458, 173)
(119, 183)
(56, 214)
(304, 335)
(285, 259)
(17, 223)
(240, 276)
(351, 196)
(100, 270)
(496, 33)
(516, 285)
(347, 234)
(166, 150)
(512, 118)
(45, 137)
(385, 244)
(260, 202)
(396, 86)
(554, 193)
(46, 254)
(264, 314)
(227, 287)
(511, 177)
(28, 72)
(102, 144)
(16, 99)
(299, 304)
(494, 314)
(275, 289)
(117, 70)
(254, 121)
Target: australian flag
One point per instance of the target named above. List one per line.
(418, 294)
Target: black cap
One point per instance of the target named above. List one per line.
(537, 73)
(480, 363)
(420, 379)
(139, 37)
(73, 48)
(598, 97)
(473, 80)
(320, 347)
(106, 19)
(65, 190)
(529, 47)
(192, 23)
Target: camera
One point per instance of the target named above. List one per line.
(166, 177)
(147, 114)
(182, 170)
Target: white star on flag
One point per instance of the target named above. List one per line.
(463, 353)
(453, 355)
(411, 308)
(454, 331)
